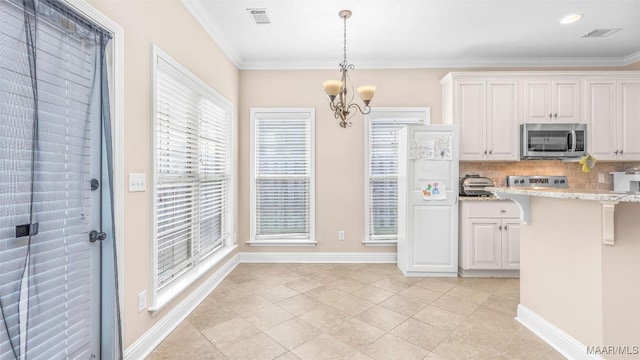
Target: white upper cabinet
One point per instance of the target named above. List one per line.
(612, 113)
(629, 119)
(490, 106)
(487, 113)
(551, 101)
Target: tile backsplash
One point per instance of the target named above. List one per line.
(498, 171)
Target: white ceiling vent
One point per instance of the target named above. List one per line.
(259, 16)
(600, 33)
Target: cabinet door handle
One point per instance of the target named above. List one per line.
(503, 211)
(616, 152)
(505, 228)
(621, 152)
(550, 115)
(555, 115)
(485, 152)
(490, 152)
(500, 227)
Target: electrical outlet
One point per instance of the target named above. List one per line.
(341, 235)
(601, 178)
(142, 300)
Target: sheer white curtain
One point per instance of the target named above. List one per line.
(52, 144)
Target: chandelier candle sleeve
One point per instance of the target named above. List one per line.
(332, 87)
(366, 93)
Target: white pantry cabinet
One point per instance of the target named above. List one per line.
(551, 101)
(489, 238)
(613, 117)
(487, 113)
(428, 218)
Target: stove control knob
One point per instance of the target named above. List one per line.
(521, 181)
(556, 181)
(561, 181)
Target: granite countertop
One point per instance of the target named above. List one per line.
(480, 198)
(580, 194)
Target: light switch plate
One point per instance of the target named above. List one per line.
(137, 182)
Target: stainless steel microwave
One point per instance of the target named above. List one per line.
(553, 141)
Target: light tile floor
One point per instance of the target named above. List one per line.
(353, 311)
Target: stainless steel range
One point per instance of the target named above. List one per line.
(538, 181)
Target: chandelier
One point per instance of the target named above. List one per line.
(336, 90)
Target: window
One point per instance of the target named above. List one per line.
(282, 180)
(381, 183)
(192, 175)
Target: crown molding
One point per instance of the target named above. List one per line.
(632, 59)
(445, 63)
(198, 11)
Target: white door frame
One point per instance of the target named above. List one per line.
(115, 60)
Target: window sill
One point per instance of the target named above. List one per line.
(282, 243)
(165, 296)
(381, 243)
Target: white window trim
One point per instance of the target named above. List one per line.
(159, 299)
(283, 241)
(374, 111)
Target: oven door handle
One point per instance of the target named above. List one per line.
(571, 141)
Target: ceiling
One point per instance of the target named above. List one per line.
(307, 34)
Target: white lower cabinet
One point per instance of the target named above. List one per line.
(489, 243)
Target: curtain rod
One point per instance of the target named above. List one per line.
(67, 11)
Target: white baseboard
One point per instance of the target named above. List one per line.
(552, 335)
(489, 273)
(316, 257)
(154, 336)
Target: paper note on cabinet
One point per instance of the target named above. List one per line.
(434, 190)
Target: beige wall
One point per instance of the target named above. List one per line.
(574, 281)
(560, 266)
(169, 25)
(340, 152)
(621, 269)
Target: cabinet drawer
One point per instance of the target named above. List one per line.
(492, 209)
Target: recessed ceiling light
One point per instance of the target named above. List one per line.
(570, 19)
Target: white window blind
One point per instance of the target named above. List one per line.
(381, 185)
(282, 175)
(54, 319)
(192, 169)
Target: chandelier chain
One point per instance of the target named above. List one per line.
(345, 40)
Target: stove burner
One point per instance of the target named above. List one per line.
(538, 181)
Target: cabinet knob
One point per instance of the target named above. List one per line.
(503, 211)
(616, 152)
(490, 152)
(550, 115)
(555, 115)
(621, 152)
(500, 227)
(485, 152)
(505, 228)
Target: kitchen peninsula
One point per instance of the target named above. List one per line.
(579, 265)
